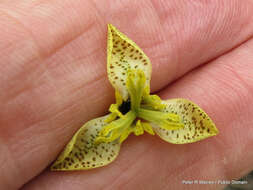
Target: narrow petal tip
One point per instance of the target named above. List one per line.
(123, 54)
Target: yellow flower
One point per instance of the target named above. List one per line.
(97, 143)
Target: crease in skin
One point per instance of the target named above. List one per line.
(6, 160)
(30, 59)
(8, 13)
(165, 12)
(243, 81)
(41, 53)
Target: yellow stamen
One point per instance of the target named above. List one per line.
(138, 130)
(147, 127)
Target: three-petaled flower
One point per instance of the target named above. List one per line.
(98, 142)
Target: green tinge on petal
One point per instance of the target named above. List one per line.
(135, 86)
(168, 121)
(123, 54)
(118, 97)
(197, 124)
(153, 102)
(114, 134)
(81, 153)
(116, 128)
(111, 117)
(148, 128)
(125, 134)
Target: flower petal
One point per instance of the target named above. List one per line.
(197, 124)
(123, 54)
(81, 153)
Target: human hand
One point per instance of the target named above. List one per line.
(53, 65)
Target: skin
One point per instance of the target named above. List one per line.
(53, 79)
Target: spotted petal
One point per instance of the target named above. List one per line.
(123, 54)
(197, 124)
(81, 153)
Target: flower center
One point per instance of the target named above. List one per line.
(125, 106)
(126, 115)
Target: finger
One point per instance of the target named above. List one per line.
(201, 32)
(54, 56)
(224, 89)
